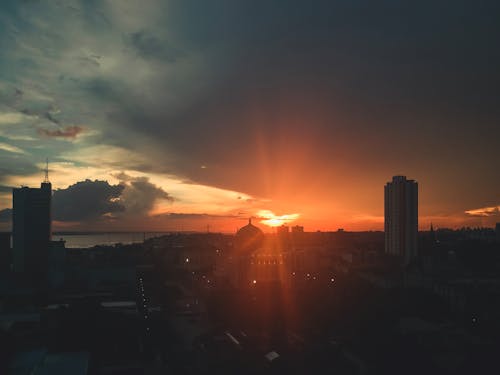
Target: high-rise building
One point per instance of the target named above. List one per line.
(31, 230)
(401, 218)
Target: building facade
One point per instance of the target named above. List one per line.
(401, 218)
(31, 230)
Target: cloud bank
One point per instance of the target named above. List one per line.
(87, 200)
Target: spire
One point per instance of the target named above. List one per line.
(46, 179)
(433, 234)
(250, 221)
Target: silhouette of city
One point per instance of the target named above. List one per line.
(240, 187)
(289, 302)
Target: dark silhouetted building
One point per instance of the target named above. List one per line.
(31, 230)
(401, 218)
(56, 263)
(283, 230)
(5, 252)
(4, 241)
(258, 259)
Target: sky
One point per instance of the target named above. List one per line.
(195, 115)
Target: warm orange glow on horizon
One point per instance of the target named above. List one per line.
(272, 220)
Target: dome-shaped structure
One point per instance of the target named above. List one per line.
(249, 238)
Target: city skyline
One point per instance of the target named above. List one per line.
(294, 115)
(265, 218)
(276, 187)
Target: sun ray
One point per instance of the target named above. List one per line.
(270, 219)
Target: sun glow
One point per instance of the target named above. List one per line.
(272, 220)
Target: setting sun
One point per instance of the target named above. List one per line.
(272, 220)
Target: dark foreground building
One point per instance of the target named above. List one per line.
(31, 231)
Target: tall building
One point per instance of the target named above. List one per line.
(31, 230)
(401, 218)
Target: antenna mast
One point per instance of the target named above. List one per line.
(46, 180)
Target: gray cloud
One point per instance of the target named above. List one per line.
(91, 61)
(41, 113)
(139, 195)
(96, 200)
(87, 200)
(11, 164)
(51, 118)
(149, 46)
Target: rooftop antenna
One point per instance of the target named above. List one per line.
(46, 180)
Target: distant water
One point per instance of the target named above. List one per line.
(93, 239)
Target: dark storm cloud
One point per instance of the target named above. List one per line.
(330, 72)
(66, 132)
(140, 195)
(94, 200)
(6, 215)
(87, 200)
